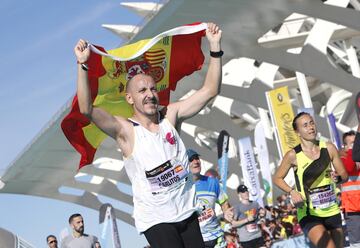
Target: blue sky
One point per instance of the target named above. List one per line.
(37, 77)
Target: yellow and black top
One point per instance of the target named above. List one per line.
(314, 183)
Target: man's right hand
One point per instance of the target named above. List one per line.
(82, 51)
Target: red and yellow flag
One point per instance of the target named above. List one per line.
(168, 57)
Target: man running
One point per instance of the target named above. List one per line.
(208, 193)
(245, 220)
(154, 154)
(78, 239)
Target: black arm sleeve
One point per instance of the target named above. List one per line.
(356, 148)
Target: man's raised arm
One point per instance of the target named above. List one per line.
(187, 108)
(106, 122)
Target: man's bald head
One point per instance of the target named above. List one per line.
(134, 79)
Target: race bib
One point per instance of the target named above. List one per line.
(205, 215)
(167, 176)
(323, 197)
(253, 227)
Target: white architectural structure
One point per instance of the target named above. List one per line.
(10, 240)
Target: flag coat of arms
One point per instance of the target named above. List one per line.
(168, 57)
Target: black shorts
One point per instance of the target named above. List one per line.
(330, 223)
(183, 234)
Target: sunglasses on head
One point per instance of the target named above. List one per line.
(193, 158)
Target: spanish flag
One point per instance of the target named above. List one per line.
(167, 57)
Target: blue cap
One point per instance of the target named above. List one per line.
(191, 153)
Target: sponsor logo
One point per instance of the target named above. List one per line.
(170, 138)
(178, 168)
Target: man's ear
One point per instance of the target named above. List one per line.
(129, 98)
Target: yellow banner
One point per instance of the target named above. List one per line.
(282, 116)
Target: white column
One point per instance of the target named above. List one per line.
(304, 90)
(353, 60)
(266, 123)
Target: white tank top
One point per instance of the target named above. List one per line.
(163, 190)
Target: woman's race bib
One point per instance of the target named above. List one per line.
(167, 176)
(323, 197)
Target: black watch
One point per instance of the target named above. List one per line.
(84, 66)
(216, 54)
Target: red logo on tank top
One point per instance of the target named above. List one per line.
(171, 139)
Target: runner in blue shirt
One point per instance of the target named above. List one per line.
(208, 193)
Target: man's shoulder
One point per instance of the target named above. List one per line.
(90, 237)
(244, 207)
(94, 238)
(209, 181)
(205, 178)
(254, 204)
(202, 182)
(84, 236)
